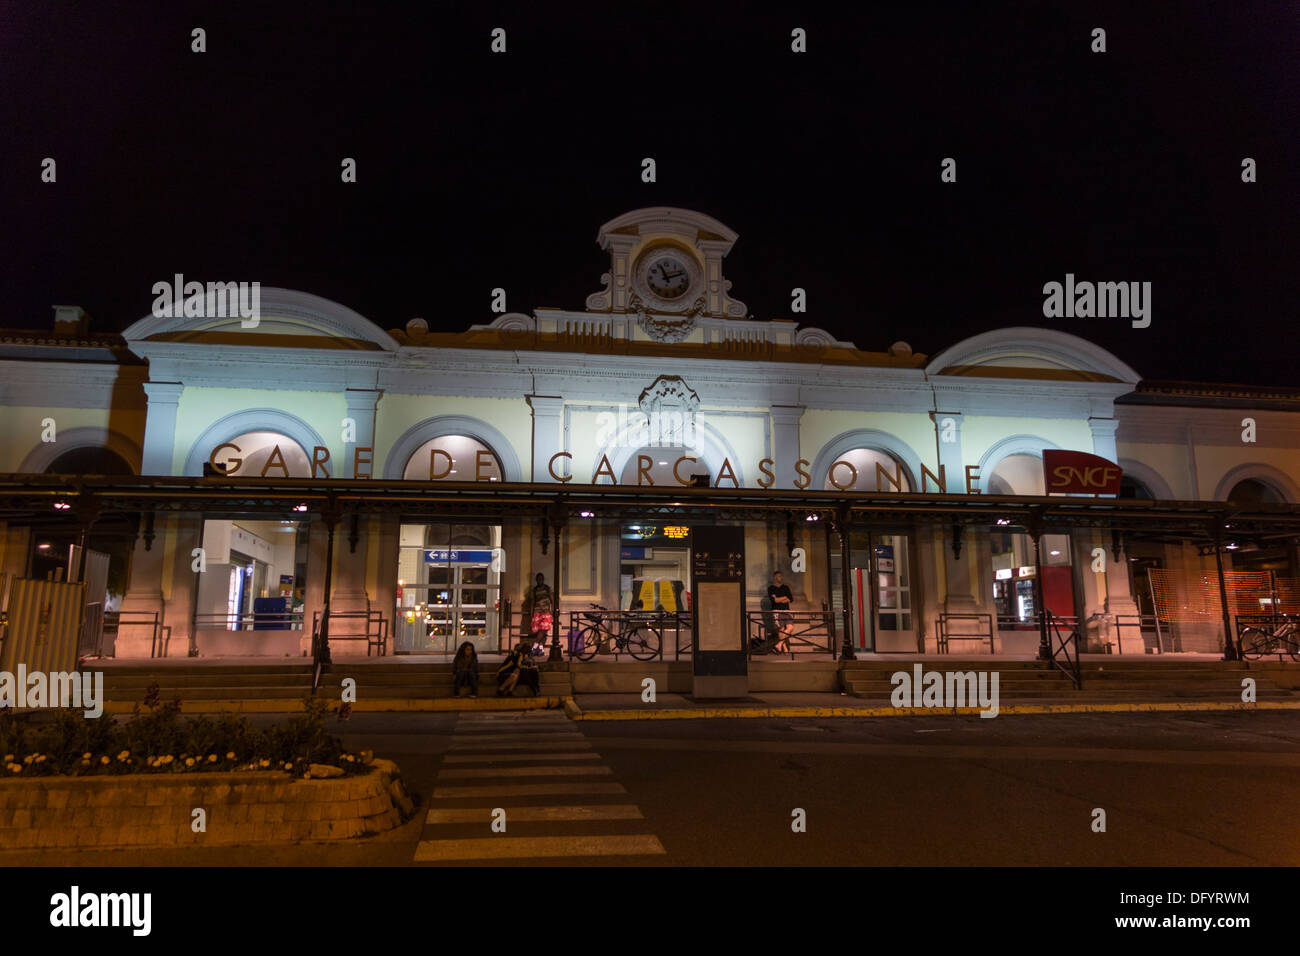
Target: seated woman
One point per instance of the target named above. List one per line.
(515, 669)
(464, 670)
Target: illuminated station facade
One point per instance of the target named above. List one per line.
(662, 387)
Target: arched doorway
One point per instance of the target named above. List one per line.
(880, 573)
(255, 571)
(449, 575)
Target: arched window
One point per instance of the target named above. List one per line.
(866, 469)
(89, 461)
(260, 454)
(1252, 491)
(453, 458)
(1130, 487)
(1016, 475)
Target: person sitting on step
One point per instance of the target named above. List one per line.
(464, 669)
(515, 669)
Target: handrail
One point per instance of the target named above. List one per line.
(982, 619)
(1141, 622)
(139, 619)
(375, 634)
(1060, 644)
(815, 636)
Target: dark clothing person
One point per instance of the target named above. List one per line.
(464, 670)
(781, 597)
(542, 606)
(517, 669)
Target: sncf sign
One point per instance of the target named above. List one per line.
(1076, 472)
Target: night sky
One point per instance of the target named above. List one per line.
(478, 170)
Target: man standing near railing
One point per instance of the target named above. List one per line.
(779, 593)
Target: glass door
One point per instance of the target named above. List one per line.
(449, 588)
(892, 593)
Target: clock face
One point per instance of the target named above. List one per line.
(668, 277)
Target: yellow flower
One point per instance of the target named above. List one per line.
(288, 766)
(103, 760)
(124, 755)
(86, 755)
(307, 776)
(189, 761)
(230, 755)
(264, 763)
(29, 758)
(8, 758)
(212, 758)
(40, 758)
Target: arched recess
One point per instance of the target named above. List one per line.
(250, 420)
(1006, 447)
(40, 458)
(1279, 480)
(440, 425)
(711, 447)
(877, 440)
(1149, 477)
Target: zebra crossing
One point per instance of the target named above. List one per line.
(535, 774)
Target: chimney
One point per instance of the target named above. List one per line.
(70, 321)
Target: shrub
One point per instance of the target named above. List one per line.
(156, 740)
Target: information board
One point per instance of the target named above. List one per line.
(718, 575)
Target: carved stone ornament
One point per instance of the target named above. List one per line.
(666, 328)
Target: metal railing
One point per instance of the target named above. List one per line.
(251, 621)
(1139, 622)
(373, 630)
(1275, 624)
(610, 627)
(788, 632)
(91, 643)
(160, 636)
(980, 630)
(1063, 643)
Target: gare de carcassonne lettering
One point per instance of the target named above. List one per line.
(843, 474)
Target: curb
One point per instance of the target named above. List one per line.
(295, 705)
(709, 713)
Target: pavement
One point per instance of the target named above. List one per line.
(532, 787)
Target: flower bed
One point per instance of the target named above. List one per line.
(155, 740)
(70, 781)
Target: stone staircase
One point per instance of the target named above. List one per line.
(398, 680)
(1118, 680)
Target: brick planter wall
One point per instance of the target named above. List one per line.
(155, 810)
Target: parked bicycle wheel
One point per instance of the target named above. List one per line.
(1256, 642)
(589, 639)
(643, 642)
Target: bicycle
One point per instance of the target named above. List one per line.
(640, 639)
(1257, 642)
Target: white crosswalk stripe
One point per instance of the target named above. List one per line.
(495, 761)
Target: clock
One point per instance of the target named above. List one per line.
(666, 277)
